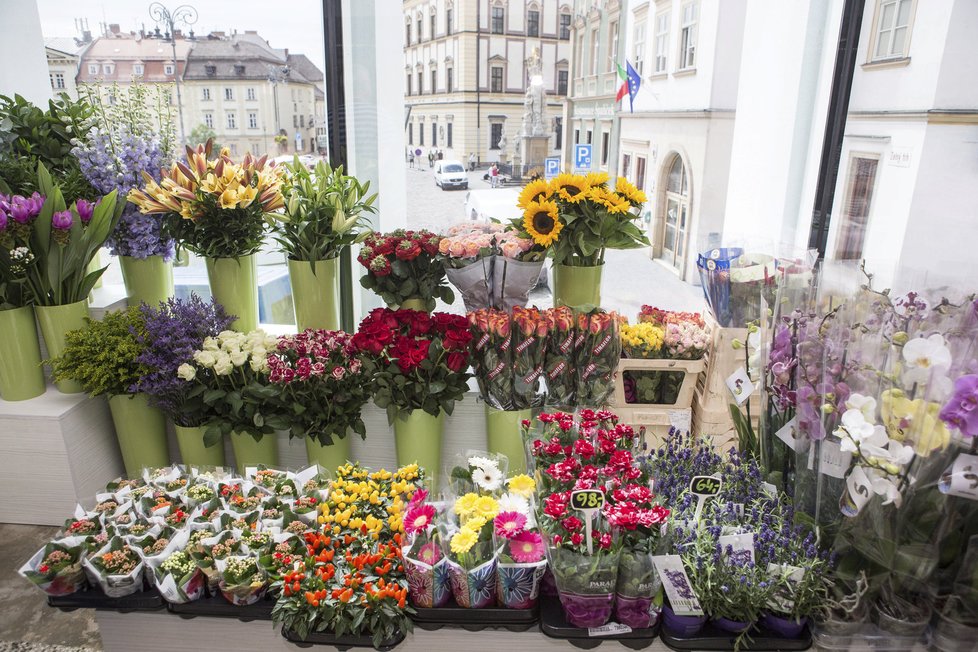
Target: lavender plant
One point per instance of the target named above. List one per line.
(125, 140)
(172, 332)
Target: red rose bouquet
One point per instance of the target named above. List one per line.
(323, 384)
(405, 265)
(420, 361)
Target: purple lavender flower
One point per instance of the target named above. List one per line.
(85, 210)
(62, 220)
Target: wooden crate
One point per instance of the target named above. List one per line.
(693, 369)
(657, 421)
(712, 398)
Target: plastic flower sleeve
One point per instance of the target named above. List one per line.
(585, 584)
(478, 471)
(474, 588)
(427, 570)
(512, 281)
(638, 600)
(474, 283)
(64, 578)
(560, 360)
(598, 352)
(243, 581)
(175, 572)
(492, 356)
(530, 332)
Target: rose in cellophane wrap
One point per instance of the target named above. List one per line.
(559, 366)
(425, 563)
(492, 356)
(598, 345)
(56, 568)
(530, 332)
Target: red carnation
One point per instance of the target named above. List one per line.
(408, 250)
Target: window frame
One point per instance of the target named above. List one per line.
(563, 79)
(434, 80)
(877, 28)
(209, 119)
(502, 133)
(449, 17)
(251, 95)
(205, 94)
(434, 134)
(493, 18)
(595, 51)
(579, 50)
(492, 78)
(605, 147)
(563, 31)
(410, 75)
(228, 94)
(844, 211)
(449, 80)
(410, 133)
(252, 119)
(448, 134)
(558, 132)
(138, 69)
(613, 31)
(639, 36)
(57, 80)
(420, 78)
(169, 69)
(108, 68)
(688, 37)
(231, 120)
(93, 69)
(660, 42)
(534, 13)
(432, 20)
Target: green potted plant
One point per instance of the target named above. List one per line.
(103, 359)
(325, 212)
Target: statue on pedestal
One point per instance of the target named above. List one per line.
(534, 102)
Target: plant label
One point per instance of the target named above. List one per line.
(792, 436)
(609, 629)
(681, 420)
(832, 461)
(769, 489)
(781, 600)
(741, 547)
(588, 501)
(859, 489)
(677, 585)
(740, 386)
(961, 478)
(704, 487)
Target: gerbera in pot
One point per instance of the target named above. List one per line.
(425, 563)
(471, 551)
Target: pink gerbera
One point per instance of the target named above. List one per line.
(527, 547)
(419, 497)
(418, 518)
(509, 524)
(430, 553)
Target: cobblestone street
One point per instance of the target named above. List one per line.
(631, 277)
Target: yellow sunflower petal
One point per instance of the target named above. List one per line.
(542, 222)
(534, 191)
(571, 188)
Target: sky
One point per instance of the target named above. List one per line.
(293, 24)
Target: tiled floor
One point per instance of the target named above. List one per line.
(27, 624)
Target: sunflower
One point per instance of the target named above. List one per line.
(596, 178)
(536, 190)
(541, 222)
(570, 187)
(626, 189)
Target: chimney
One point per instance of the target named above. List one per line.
(114, 28)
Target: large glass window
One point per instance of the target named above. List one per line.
(687, 37)
(672, 237)
(661, 42)
(892, 28)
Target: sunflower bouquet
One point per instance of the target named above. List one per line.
(577, 217)
(214, 207)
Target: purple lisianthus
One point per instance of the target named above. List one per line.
(62, 220)
(960, 411)
(173, 331)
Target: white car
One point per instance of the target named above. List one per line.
(450, 174)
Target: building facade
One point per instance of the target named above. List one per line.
(465, 73)
(64, 58)
(676, 145)
(598, 29)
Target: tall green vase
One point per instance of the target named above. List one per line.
(55, 322)
(190, 440)
(141, 431)
(248, 452)
(417, 438)
(414, 304)
(21, 374)
(148, 280)
(503, 435)
(577, 287)
(234, 285)
(316, 293)
(330, 457)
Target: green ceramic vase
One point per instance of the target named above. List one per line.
(55, 322)
(21, 374)
(190, 440)
(503, 436)
(577, 287)
(414, 304)
(248, 452)
(148, 280)
(316, 293)
(141, 431)
(330, 457)
(234, 285)
(417, 438)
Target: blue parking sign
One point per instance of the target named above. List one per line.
(582, 158)
(551, 167)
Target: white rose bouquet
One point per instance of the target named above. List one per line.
(229, 385)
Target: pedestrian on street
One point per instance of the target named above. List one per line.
(471, 161)
(441, 155)
(431, 158)
(493, 176)
(411, 159)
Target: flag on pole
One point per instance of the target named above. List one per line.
(623, 89)
(634, 83)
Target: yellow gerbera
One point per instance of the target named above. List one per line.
(522, 485)
(627, 189)
(537, 190)
(462, 541)
(466, 504)
(571, 188)
(475, 523)
(596, 178)
(487, 507)
(542, 222)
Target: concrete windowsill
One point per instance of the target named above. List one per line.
(685, 72)
(887, 63)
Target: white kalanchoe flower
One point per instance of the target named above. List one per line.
(489, 478)
(186, 372)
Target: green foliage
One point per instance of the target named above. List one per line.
(219, 233)
(202, 133)
(102, 356)
(30, 135)
(325, 210)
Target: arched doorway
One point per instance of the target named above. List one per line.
(674, 223)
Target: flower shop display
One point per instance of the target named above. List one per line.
(323, 385)
(170, 334)
(326, 211)
(229, 375)
(490, 265)
(46, 246)
(420, 369)
(220, 210)
(130, 136)
(103, 358)
(405, 269)
(56, 568)
(575, 218)
(425, 563)
(471, 551)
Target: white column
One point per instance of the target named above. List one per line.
(25, 69)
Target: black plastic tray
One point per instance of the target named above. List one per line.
(345, 642)
(474, 620)
(95, 598)
(761, 640)
(217, 606)
(554, 625)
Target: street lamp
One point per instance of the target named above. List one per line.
(186, 15)
(277, 75)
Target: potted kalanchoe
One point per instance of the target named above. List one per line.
(56, 568)
(117, 568)
(243, 581)
(178, 577)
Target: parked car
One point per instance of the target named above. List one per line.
(450, 174)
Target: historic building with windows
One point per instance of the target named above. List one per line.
(465, 73)
(64, 58)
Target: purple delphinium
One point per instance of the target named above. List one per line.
(174, 330)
